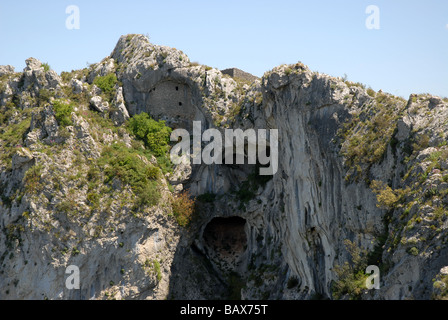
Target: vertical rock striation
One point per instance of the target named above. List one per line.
(354, 165)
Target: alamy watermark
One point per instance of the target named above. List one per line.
(373, 281)
(259, 146)
(72, 281)
(373, 20)
(73, 21)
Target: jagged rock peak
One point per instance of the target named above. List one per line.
(32, 64)
(134, 47)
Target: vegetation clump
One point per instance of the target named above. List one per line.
(127, 165)
(107, 85)
(183, 208)
(46, 66)
(12, 136)
(351, 276)
(154, 134)
(63, 111)
(369, 132)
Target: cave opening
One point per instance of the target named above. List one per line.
(225, 242)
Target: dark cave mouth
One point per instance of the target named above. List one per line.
(225, 241)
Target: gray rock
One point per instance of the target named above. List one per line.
(43, 127)
(119, 114)
(434, 102)
(95, 91)
(53, 79)
(35, 78)
(77, 86)
(33, 64)
(4, 70)
(33, 137)
(404, 129)
(98, 104)
(101, 69)
(21, 157)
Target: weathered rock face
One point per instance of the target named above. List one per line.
(54, 213)
(277, 237)
(320, 209)
(4, 70)
(36, 77)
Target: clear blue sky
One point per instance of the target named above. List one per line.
(408, 54)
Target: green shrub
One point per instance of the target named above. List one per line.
(94, 199)
(74, 74)
(126, 164)
(259, 98)
(351, 276)
(422, 143)
(355, 84)
(413, 251)
(67, 206)
(154, 134)
(32, 179)
(12, 137)
(371, 92)
(44, 96)
(107, 84)
(234, 110)
(94, 174)
(6, 112)
(365, 137)
(63, 111)
(183, 208)
(46, 66)
(386, 197)
(153, 267)
(157, 270)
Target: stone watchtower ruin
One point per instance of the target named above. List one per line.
(237, 73)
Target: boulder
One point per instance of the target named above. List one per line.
(98, 104)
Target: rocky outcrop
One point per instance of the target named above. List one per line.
(5, 70)
(354, 165)
(120, 114)
(35, 77)
(97, 104)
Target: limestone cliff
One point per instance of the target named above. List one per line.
(360, 182)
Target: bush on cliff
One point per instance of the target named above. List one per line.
(154, 134)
